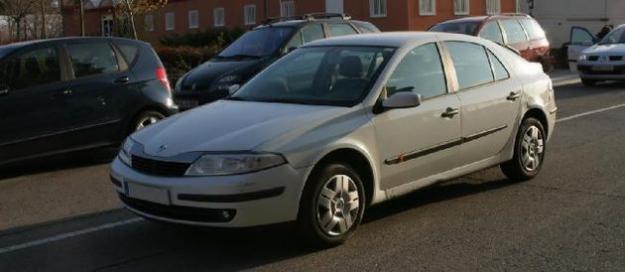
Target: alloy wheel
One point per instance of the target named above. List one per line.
(338, 205)
(533, 146)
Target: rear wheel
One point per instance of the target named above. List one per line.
(332, 205)
(529, 151)
(145, 119)
(589, 82)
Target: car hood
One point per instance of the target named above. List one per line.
(203, 76)
(607, 49)
(234, 126)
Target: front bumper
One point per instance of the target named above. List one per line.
(601, 70)
(261, 198)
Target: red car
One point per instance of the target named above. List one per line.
(518, 31)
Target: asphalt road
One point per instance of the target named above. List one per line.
(61, 215)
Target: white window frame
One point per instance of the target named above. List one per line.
(379, 5)
(424, 12)
(249, 14)
(287, 8)
(216, 18)
(148, 22)
(493, 7)
(467, 7)
(194, 14)
(170, 21)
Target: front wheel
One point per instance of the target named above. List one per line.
(332, 205)
(529, 151)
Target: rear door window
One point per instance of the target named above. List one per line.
(534, 30)
(514, 31)
(311, 33)
(492, 32)
(92, 58)
(341, 29)
(499, 70)
(33, 68)
(471, 64)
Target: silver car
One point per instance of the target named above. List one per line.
(604, 60)
(339, 125)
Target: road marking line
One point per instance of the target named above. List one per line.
(69, 235)
(575, 116)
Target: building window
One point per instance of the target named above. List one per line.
(148, 22)
(249, 14)
(377, 8)
(193, 19)
(169, 21)
(461, 7)
(427, 7)
(493, 7)
(219, 17)
(287, 8)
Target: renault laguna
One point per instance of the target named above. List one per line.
(339, 125)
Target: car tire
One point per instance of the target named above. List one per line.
(328, 204)
(529, 151)
(145, 119)
(589, 82)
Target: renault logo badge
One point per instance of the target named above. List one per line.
(162, 148)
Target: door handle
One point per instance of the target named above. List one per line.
(450, 112)
(122, 80)
(4, 92)
(514, 95)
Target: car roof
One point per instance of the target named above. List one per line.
(388, 39)
(18, 45)
(475, 19)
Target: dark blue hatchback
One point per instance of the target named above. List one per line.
(69, 94)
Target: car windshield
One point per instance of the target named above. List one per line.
(467, 28)
(258, 43)
(616, 36)
(337, 76)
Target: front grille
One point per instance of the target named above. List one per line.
(616, 58)
(593, 58)
(159, 168)
(179, 212)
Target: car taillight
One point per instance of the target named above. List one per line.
(161, 75)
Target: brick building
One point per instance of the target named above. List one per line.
(181, 16)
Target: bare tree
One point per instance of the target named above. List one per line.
(130, 8)
(17, 10)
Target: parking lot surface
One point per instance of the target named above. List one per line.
(61, 214)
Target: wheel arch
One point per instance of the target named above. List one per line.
(540, 115)
(355, 159)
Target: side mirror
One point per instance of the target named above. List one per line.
(402, 100)
(289, 50)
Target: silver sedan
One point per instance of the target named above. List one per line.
(339, 125)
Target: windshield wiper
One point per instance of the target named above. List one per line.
(237, 98)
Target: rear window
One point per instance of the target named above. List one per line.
(365, 27)
(467, 28)
(341, 30)
(514, 31)
(534, 30)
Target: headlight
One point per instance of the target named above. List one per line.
(582, 57)
(124, 153)
(233, 164)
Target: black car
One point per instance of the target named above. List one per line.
(255, 50)
(69, 94)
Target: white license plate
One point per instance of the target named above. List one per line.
(187, 103)
(603, 68)
(148, 193)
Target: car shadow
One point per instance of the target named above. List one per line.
(191, 248)
(578, 90)
(58, 162)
